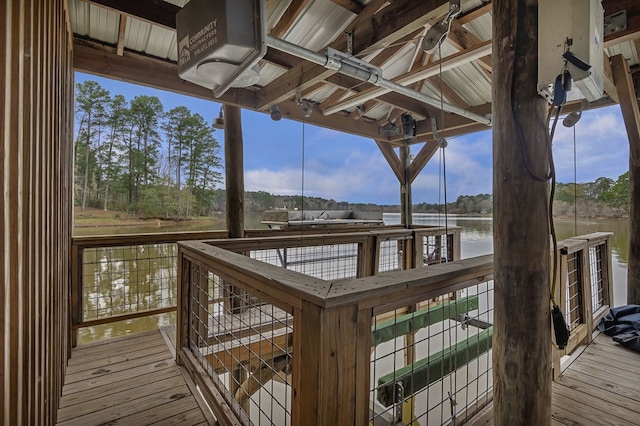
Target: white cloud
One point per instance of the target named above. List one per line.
(602, 147)
(360, 177)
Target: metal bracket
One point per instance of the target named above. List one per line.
(350, 43)
(615, 22)
(439, 31)
(337, 59)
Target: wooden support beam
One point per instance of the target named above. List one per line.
(393, 160)
(454, 125)
(628, 104)
(447, 91)
(462, 39)
(631, 116)
(158, 12)
(406, 202)
(522, 326)
(304, 74)
(234, 170)
(475, 13)
(420, 73)
(609, 83)
(351, 5)
(122, 29)
(289, 18)
(424, 155)
(139, 69)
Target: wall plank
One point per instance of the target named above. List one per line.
(36, 113)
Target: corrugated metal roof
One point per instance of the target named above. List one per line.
(320, 25)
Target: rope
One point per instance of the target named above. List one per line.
(453, 378)
(575, 185)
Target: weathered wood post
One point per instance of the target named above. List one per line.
(521, 345)
(631, 116)
(234, 180)
(633, 276)
(234, 170)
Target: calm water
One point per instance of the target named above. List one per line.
(476, 240)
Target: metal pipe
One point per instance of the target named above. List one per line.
(364, 75)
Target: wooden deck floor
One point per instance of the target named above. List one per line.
(130, 381)
(601, 387)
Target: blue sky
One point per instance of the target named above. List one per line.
(351, 168)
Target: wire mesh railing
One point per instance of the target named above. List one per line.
(432, 365)
(244, 344)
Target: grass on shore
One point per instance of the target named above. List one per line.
(93, 217)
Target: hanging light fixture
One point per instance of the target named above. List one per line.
(274, 111)
(218, 122)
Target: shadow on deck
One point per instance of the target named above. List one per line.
(132, 380)
(600, 387)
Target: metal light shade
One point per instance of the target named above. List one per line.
(218, 122)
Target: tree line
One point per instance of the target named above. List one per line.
(135, 156)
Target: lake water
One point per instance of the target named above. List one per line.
(476, 240)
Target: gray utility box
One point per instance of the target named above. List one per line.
(219, 41)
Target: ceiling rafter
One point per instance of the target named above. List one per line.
(122, 29)
(102, 60)
(461, 38)
(290, 16)
(418, 74)
(157, 12)
(287, 85)
(475, 13)
(351, 5)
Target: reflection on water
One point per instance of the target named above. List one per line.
(476, 239)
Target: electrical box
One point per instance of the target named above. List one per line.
(576, 26)
(220, 42)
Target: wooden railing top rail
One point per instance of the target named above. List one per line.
(573, 244)
(284, 288)
(277, 240)
(382, 292)
(402, 288)
(88, 241)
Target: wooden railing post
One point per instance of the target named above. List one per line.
(182, 315)
(331, 367)
(76, 294)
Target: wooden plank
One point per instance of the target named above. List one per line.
(131, 405)
(628, 104)
(420, 73)
(90, 378)
(567, 412)
(178, 412)
(158, 12)
(97, 348)
(294, 10)
(572, 385)
(86, 396)
(116, 357)
(122, 29)
(601, 380)
(97, 353)
(352, 5)
(100, 380)
(615, 415)
(629, 369)
(227, 356)
(595, 369)
(475, 13)
(108, 401)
